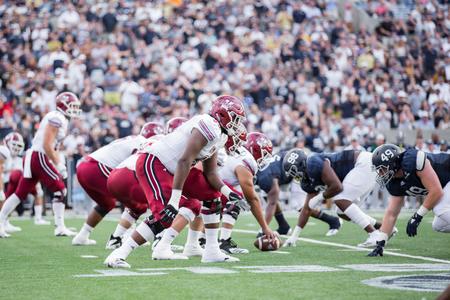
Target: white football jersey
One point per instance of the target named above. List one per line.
(130, 162)
(117, 151)
(56, 119)
(5, 155)
(171, 147)
(228, 171)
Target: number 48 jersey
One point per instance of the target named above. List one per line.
(413, 160)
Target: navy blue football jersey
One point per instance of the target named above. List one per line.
(413, 160)
(341, 162)
(264, 177)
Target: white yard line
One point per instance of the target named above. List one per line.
(355, 248)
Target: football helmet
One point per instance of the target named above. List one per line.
(260, 147)
(230, 113)
(14, 142)
(68, 104)
(386, 162)
(174, 123)
(294, 164)
(150, 129)
(235, 142)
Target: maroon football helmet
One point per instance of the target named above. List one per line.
(260, 147)
(174, 123)
(14, 142)
(230, 113)
(150, 129)
(235, 142)
(69, 104)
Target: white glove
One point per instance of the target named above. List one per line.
(2, 196)
(62, 170)
(291, 242)
(316, 201)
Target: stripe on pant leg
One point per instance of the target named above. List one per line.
(154, 180)
(46, 168)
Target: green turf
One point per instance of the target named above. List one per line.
(36, 265)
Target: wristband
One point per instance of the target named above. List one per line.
(175, 198)
(225, 190)
(422, 211)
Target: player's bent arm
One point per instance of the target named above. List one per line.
(2, 187)
(210, 172)
(329, 177)
(195, 144)
(245, 179)
(431, 182)
(392, 211)
(49, 139)
(305, 212)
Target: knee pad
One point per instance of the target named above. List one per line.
(232, 210)
(213, 207)
(188, 214)
(59, 196)
(102, 211)
(153, 225)
(357, 216)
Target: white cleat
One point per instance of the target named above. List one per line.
(41, 222)
(163, 252)
(113, 243)
(193, 250)
(64, 231)
(3, 233)
(10, 228)
(217, 256)
(116, 262)
(393, 233)
(290, 242)
(158, 238)
(82, 241)
(332, 232)
(371, 241)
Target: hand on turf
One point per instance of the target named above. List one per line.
(168, 214)
(413, 223)
(290, 242)
(378, 251)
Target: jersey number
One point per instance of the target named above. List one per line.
(416, 191)
(387, 155)
(292, 158)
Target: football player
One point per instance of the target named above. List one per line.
(93, 172)
(173, 187)
(344, 177)
(270, 179)
(412, 173)
(42, 162)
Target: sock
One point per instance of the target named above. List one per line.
(120, 231)
(296, 232)
(85, 231)
(58, 211)
(225, 233)
(38, 212)
(193, 237)
(330, 220)
(211, 239)
(8, 207)
(282, 223)
(169, 235)
(127, 247)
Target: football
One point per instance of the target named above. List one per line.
(263, 244)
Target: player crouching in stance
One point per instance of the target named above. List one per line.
(343, 177)
(412, 173)
(173, 187)
(238, 172)
(42, 162)
(93, 173)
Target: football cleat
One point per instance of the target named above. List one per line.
(332, 232)
(283, 230)
(193, 250)
(217, 256)
(10, 228)
(290, 242)
(371, 241)
(163, 252)
(41, 222)
(116, 263)
(172, 247)
(334, 229)
(230, 247)
(82, 241)
(64, 231)
(3, 233)
(202, 242)
(114, 242)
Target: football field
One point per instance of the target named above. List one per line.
(36, 265)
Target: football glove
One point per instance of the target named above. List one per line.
(413, 223)
(168, 214)
(378, 251)
(236, 199)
